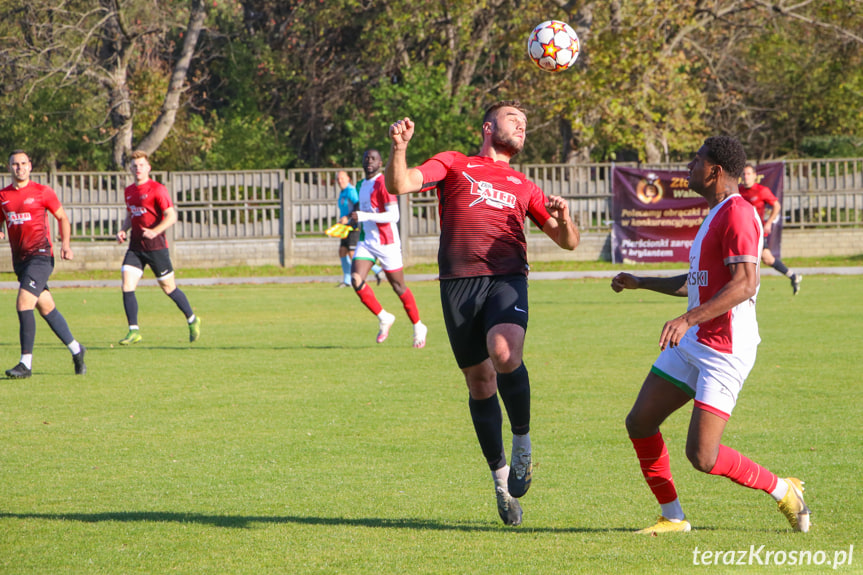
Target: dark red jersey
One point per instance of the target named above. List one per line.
(146, 205)
(25, 213)
(483, 206)
(759, 196)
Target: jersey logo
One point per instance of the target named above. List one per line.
(514, 180)
(29, 201)
(698, 278)
(137, 211)
(16, 219)
(489, 195)
(469, 165)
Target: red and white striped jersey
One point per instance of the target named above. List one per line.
(374, 198)
(731, 233)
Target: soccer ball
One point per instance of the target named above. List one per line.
(553, 46)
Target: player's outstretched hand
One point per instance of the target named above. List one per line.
(402, 131)
(624, 281)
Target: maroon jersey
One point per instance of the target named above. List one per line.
(25, 213)
(759, 196)
(483, 206)
(146, 205)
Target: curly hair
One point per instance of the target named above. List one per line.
(728, 153)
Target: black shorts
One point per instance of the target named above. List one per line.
(158, 260)
(350, 241)
(33, 273)
(472, 306)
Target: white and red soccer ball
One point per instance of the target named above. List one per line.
(553, 46)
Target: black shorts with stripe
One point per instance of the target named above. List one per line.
(472, 306)
(33, 273)
(158, 260)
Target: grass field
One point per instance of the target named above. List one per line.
(287, 441)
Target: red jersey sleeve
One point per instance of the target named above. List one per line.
(435, 169)
(742, 239)
(536, 208)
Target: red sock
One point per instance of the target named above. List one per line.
(656, 467)
(410, 305)
(367, 296)
(743, 471)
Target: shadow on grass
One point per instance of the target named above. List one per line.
(244, 522)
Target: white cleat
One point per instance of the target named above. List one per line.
(386, 320)
(420, 332)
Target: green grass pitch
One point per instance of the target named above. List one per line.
(287, 441)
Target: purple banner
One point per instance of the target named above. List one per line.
(656, 215)
(772, 176)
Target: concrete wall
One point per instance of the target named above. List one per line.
(324, 251)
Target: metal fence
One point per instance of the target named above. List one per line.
(259, 204)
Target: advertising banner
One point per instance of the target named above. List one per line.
(656, 215)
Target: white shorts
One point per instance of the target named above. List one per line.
(712, 378)
(390, 255)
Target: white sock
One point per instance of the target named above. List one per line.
(501, 476)
(135, 327)
(384, 314)
(780, 490)
(191, 319)
(27, 359)
(74, 347)
(521, 442)
(673, 511)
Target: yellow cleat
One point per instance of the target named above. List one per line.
(664, 525)
(793, 507)
(134, 336)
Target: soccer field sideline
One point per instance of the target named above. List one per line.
(11, 285)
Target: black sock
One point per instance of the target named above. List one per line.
(487, 420)
(780, 267)
(26, 330)
(58, 325)
(130, 304)
(514, 389)
(182, 302)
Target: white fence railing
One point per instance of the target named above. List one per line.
(258, 204)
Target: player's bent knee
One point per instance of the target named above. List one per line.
(701, 459)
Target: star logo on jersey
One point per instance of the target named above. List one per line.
(487, 193)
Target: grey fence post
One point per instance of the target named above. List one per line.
(286, 247)
(405, 222)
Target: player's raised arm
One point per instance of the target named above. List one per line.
(398, 177)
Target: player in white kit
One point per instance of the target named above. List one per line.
(708, 351)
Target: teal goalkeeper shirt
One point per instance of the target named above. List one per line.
(348, 199)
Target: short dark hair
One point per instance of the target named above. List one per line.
(16, 152)
(726, 152)
(490, 111)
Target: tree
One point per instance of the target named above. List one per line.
(100, 45)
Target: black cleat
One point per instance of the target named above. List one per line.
(20, 371)
(795, 283)
(78, 359)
